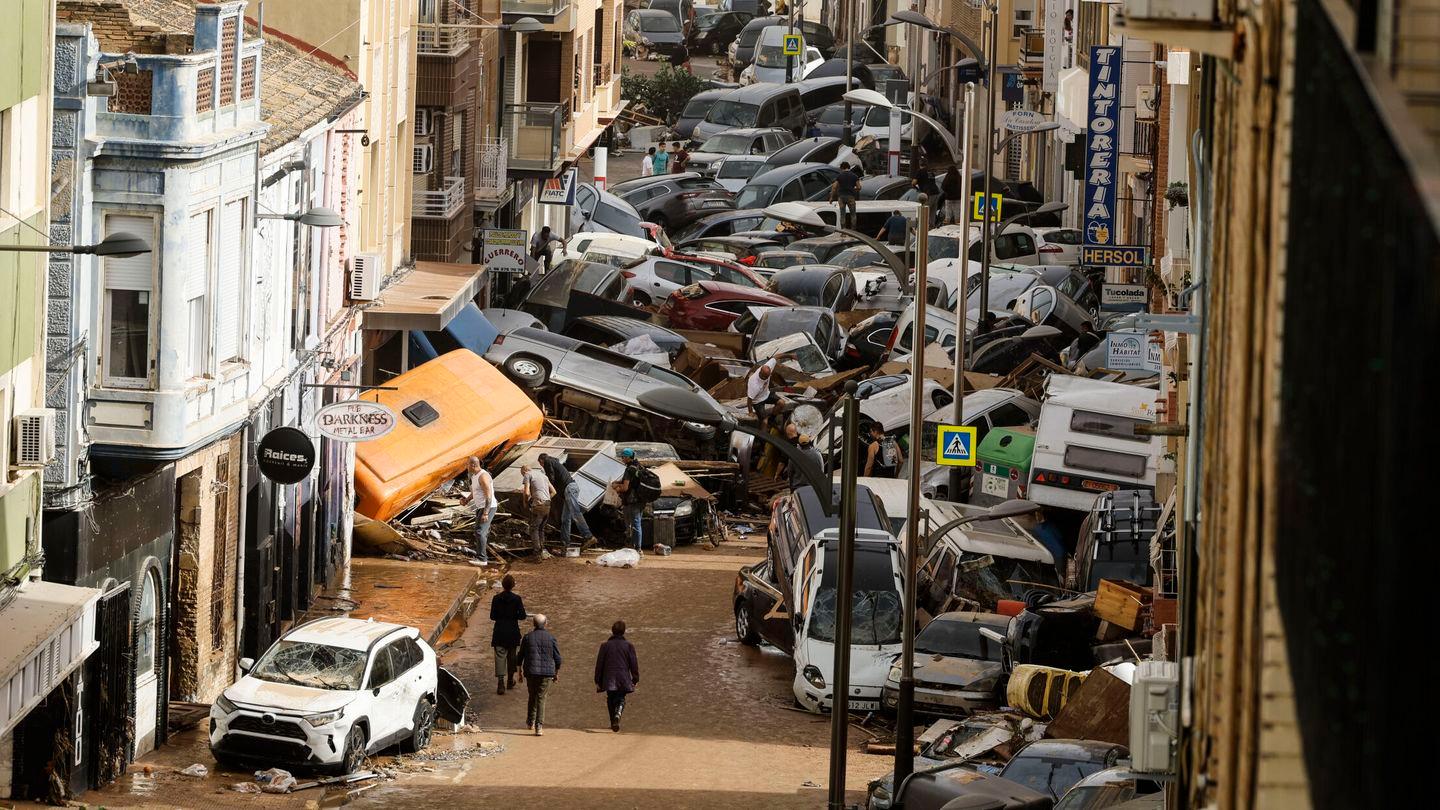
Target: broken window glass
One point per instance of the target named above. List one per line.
(318, 666)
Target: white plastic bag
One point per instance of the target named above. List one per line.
(620, 558)
(275, 780)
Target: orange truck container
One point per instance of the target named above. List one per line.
(447, 410)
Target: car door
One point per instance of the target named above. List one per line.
(667, 278)
(386, 693)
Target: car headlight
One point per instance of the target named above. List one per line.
(223, 704)
(685, 509)
(325, 718)
(895, 672)
(812, 674)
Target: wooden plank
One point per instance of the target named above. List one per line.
(1098, 710)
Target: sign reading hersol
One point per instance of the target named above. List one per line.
(285, 455)
(1115, 255)
(354, 421)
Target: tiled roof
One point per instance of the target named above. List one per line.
(297, 89)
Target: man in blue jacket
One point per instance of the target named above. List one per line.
(540, 667)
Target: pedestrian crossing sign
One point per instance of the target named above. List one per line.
(791, 45)
(981, 212)
(956, 446)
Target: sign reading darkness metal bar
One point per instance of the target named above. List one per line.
(1102, 145)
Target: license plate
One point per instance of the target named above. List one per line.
(1096, 486)
(713, 204)
(996, 485)
(864, 705)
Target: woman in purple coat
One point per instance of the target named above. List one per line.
(617, 672)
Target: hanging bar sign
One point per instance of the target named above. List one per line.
(1102, 144)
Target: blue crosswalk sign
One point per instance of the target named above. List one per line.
(955, 446)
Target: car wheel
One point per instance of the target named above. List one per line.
(744, 629)
(354, 755)
(642, 300)
(423, 725)
(528, 371)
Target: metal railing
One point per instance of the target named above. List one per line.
(441, 204)
(548, 8)
(492, 164)
(537, 133)
(442, 41)
(1146, 138)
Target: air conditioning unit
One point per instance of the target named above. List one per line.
(1154, 716)
(34, 437)
(366, 272)
(1191, 10)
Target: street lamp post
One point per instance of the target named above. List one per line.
(905, 700)
(962, 295)
(874, 99)
(120, 245)
(804, 216)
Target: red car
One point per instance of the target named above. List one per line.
(712, 305)
(723, 270)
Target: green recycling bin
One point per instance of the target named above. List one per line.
(1002, 466)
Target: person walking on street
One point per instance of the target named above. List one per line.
(680, 161)
(617, 672)
(537, 491)
(481, 498)
(540, 668)
(846, 189)
(661, 160)
(571, 513)
(883, 456)
(953, 187)
(507, 610)
(647, 163)
(628, 488)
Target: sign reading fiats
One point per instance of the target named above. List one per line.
(1102, 145)
(559, 190)
(503, 251)
(354, 421)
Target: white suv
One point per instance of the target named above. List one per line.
(326, 694)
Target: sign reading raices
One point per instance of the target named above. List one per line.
(354, 421)
(1102, 145)
(503, 251)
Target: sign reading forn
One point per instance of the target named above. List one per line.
(354, 421)
(503, 251)
(285, 455)
(1102, 145)
(1022, 120)
(1115, 256)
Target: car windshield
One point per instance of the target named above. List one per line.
(729, 144)
(943, 247)
(880, 116)
(733, 114)
(659, 24)
(875, 613)
(617, 219)
(855, 259)
(738, 169)
(753, 196)
(697, 108)
(958, 638)
(1052, 775)
(318, 666)
(780, 322)
(771, 56)
(806, 296)
(707, 22)
(1097, 796)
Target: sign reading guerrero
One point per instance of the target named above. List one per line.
(503, 251)
(1102, 145)
(285, 455)
(354, 421)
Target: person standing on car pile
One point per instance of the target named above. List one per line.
(953, 187)
(617, 672)
(846, 189)
(571, 513)
(540, 657)
(481, 498)
(540, 247)
(757, 390)
(537, 491)
(507, 610)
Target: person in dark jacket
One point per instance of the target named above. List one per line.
(507, 610)
(571, 512)
(617, 672)
(540, 667)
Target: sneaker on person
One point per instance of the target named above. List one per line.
(539, 732)
(545, 555)
(480, 563)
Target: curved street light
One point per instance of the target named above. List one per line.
(799, 214)
(316, 217)
(120, 245)
(874, 99)
(918, 19)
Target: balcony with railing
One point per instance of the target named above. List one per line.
(432, 40)
(492, 164)
(535, 8)
(442, 203)
(538, 134)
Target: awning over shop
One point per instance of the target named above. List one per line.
(426, 299)
(49, 630)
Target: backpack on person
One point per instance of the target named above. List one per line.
(646, 486)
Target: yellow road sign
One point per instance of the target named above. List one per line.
(956, 446)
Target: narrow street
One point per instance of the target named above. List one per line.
(712, 724)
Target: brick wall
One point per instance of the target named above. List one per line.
(116, 30)
(203, 624)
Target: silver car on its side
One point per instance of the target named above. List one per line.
(534, 358)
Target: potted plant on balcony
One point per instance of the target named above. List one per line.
(1177, 195)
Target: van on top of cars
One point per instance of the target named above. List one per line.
(789, 598)
(695, 110)
(772, 65)
(1086, 443)
(756, 105)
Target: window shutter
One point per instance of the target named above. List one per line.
(230, 301)
(134, 272)
(197, 271)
